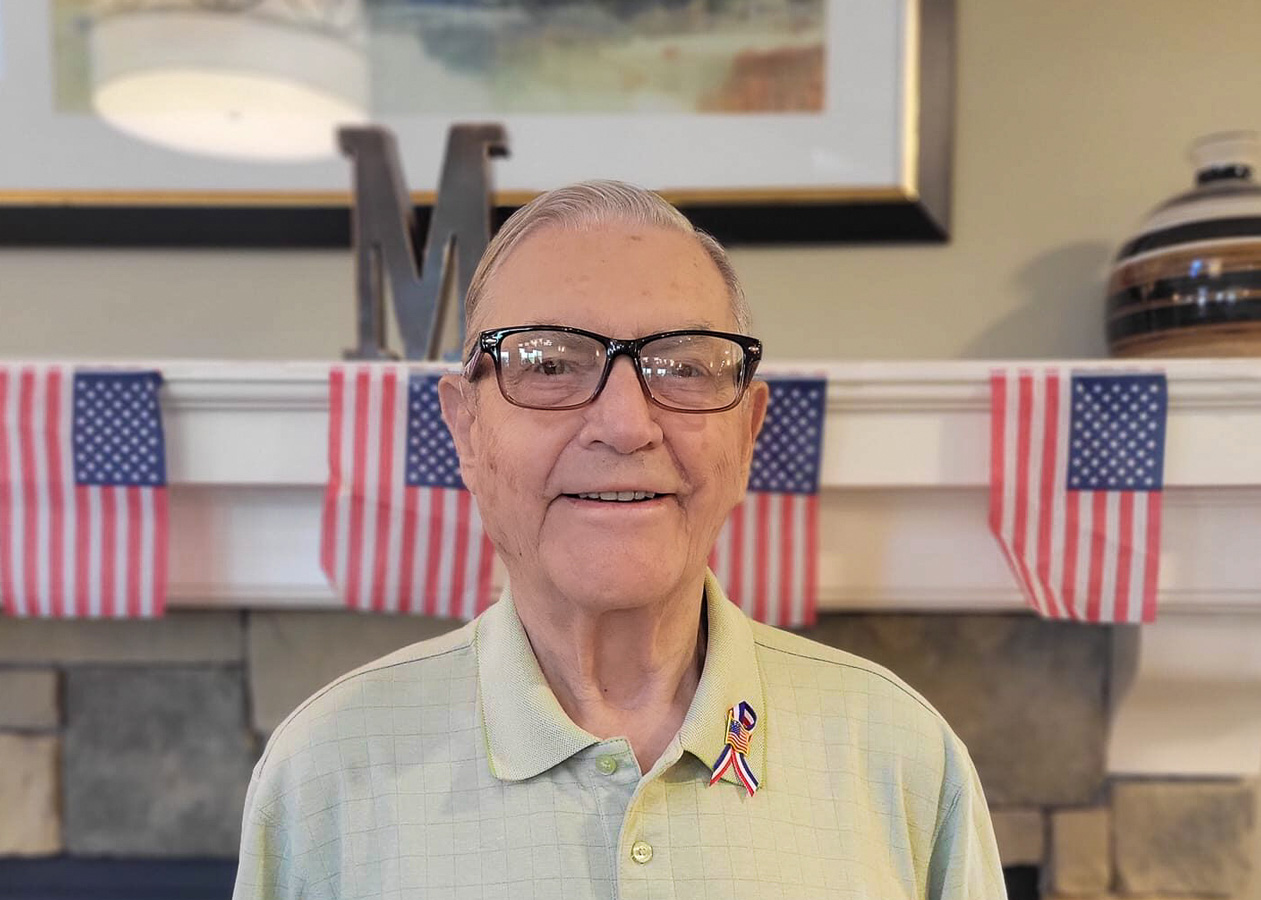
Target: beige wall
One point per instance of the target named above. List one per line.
(1073, 119)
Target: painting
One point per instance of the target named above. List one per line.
(624, 57)
(765, 120)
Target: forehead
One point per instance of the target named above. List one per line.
(621, 280)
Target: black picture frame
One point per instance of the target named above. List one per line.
(917, 211)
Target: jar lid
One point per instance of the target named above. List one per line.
(1224, 204)
(1225, 155)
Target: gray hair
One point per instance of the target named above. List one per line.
(589, 205)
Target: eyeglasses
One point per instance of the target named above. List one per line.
(555, 367)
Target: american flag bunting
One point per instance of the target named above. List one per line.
(766, 556)
(1076, 474)
(83, 502)
(400, 533)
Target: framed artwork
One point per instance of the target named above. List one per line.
(766, 121)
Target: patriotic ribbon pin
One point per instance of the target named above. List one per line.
(740, 722)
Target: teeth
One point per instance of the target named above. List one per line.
(621, 496)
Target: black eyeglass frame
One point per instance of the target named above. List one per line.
(491, 342)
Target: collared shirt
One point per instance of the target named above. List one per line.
(450, 770)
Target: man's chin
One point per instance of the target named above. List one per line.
(617, 577)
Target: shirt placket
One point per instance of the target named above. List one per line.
(609, 771)
(643, 847)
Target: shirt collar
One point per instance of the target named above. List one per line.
(731, 674)
(527, 731)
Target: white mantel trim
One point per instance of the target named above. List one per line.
(893, 425)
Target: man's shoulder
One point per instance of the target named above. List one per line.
(860, 705)
(792, 658)
(418, 675)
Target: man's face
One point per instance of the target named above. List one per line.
(526, 467)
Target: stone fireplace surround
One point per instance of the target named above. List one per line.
(1119, 761)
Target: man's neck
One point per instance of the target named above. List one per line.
(621, 673)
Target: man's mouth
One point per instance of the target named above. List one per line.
(615, 496)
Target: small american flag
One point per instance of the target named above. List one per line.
(83, 505)
(400, 532)
(738, 734)
(766, 556)
(1076, 472)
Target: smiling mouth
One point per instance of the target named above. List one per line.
(616, 496)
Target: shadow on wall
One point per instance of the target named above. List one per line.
(1063, 311)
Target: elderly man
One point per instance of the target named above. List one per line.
(613, 727)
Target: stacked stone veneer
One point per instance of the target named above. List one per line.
(1030, 699)
(137, 739)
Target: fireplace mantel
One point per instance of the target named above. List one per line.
(890, 424)
(904, 503)
(903, 523)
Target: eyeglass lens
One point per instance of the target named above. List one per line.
(548, 369)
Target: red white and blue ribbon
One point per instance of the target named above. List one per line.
(741, 720)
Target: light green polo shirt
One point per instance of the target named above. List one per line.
(449, 770)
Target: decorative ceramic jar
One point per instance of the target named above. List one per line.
(1189, 283)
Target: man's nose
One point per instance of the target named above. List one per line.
(622, 416)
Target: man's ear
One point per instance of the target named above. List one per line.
(458, 414)
(759, 398)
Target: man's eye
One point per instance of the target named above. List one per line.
(552, 367)
(682, 369)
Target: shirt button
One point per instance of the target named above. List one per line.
(641, 852)
(606, 764)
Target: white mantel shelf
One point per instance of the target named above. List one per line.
(890, 425)
(903, 521)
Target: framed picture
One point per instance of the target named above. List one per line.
(766, 121)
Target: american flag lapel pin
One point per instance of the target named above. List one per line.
(741, 720)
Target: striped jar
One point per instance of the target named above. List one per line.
(1189, 283)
